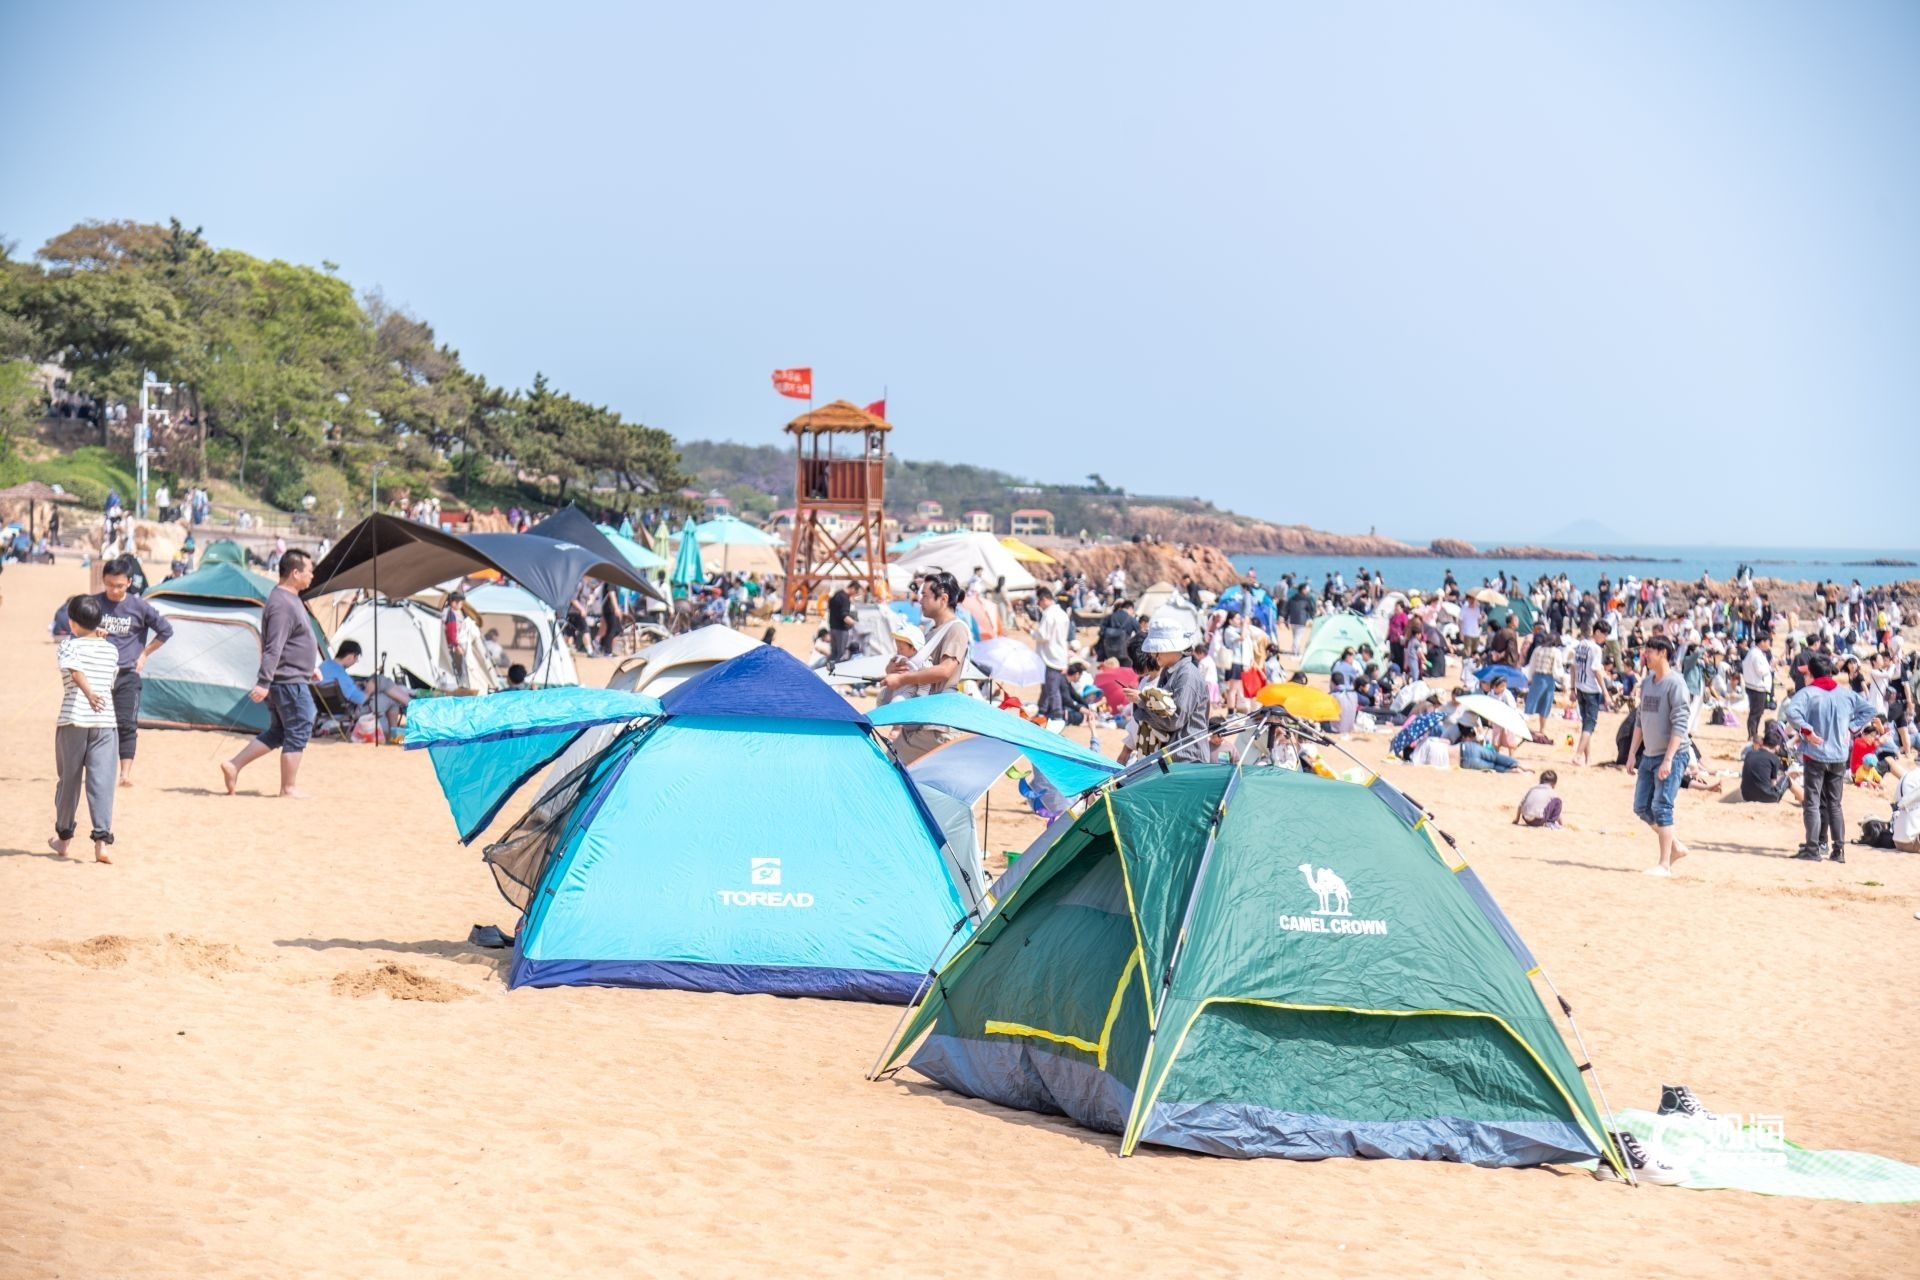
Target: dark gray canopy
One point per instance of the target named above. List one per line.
(399, 557)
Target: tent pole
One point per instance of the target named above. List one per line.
(373, 531)
(926, 984)
(1606, 1135)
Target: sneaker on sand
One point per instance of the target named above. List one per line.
(1677, 1099)
(1645, 1167)
(1838, 855)
(1809, 853)
(1658, 870)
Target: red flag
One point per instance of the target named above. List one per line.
(878, 409)
(797, 383)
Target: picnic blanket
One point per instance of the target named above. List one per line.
(1751, 1153)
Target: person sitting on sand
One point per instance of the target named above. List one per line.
(1540, 807)
(1475, 754)
(1765, 775)
(86, 746)
(1426, 722)
(1903, 789)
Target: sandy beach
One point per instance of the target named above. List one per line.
(259, 1044)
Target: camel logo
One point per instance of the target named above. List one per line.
(766, 870)
(1335, 911)
(1330, 887)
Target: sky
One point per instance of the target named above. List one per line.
(1461, 269)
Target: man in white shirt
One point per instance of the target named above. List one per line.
(1050, 642)
(1589, 686)
(1756, 676)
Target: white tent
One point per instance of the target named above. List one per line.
(1164, 597)
(677, 659)
(201, 679)
(412, 646)
(960, 553)
(527, 629)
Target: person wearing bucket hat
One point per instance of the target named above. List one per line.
(1173, 697)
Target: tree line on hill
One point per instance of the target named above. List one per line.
(289, 385)
(758, 479)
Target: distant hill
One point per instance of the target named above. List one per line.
(1587, 533)
(759, 480)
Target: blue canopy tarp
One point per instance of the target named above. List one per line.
(1068, 765)
(485, 749)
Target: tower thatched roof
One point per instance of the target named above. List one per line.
(841, 415)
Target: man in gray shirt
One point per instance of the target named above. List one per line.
(289, 666)
(136, 629)
(1660, 738)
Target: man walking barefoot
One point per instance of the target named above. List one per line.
(1660, 736)
(289, 666)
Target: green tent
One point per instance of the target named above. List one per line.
(201, 677)
(1520, 607)
(1259, 963)
(225, 551)
(1330, 634)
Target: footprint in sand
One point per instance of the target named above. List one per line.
(176, 950)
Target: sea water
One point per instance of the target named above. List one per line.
(1673, 564)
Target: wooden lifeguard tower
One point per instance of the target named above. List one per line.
(850, 490)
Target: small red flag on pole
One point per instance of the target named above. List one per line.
(878, 409)
(796, 383)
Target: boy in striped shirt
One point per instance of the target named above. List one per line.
(86, 747)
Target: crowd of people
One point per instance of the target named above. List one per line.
(1826, 700)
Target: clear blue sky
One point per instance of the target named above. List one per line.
(1475, 269)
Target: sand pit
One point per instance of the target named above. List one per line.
(215, 1109)
(398, 982)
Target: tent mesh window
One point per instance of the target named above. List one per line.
(519, 859)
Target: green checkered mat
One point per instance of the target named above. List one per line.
(1714, 1155)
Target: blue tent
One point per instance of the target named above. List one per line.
(1256, 604)
(750, 832)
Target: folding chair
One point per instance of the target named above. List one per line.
(339, 699)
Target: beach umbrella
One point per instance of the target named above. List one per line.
(731, 531)
(687, 571)
(1009, 662)
(727, 532)
(1025, 553)
(1498, 714)
(638, 556)
(1516, 678)
(1302, 701)
(1487, 595)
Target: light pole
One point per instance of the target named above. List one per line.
(379, 659)
(142, 434)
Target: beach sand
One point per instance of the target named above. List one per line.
(259, 1045)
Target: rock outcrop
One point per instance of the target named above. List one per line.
(1149, 562)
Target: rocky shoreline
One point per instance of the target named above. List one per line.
(1149, 562)
(1240, 536)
